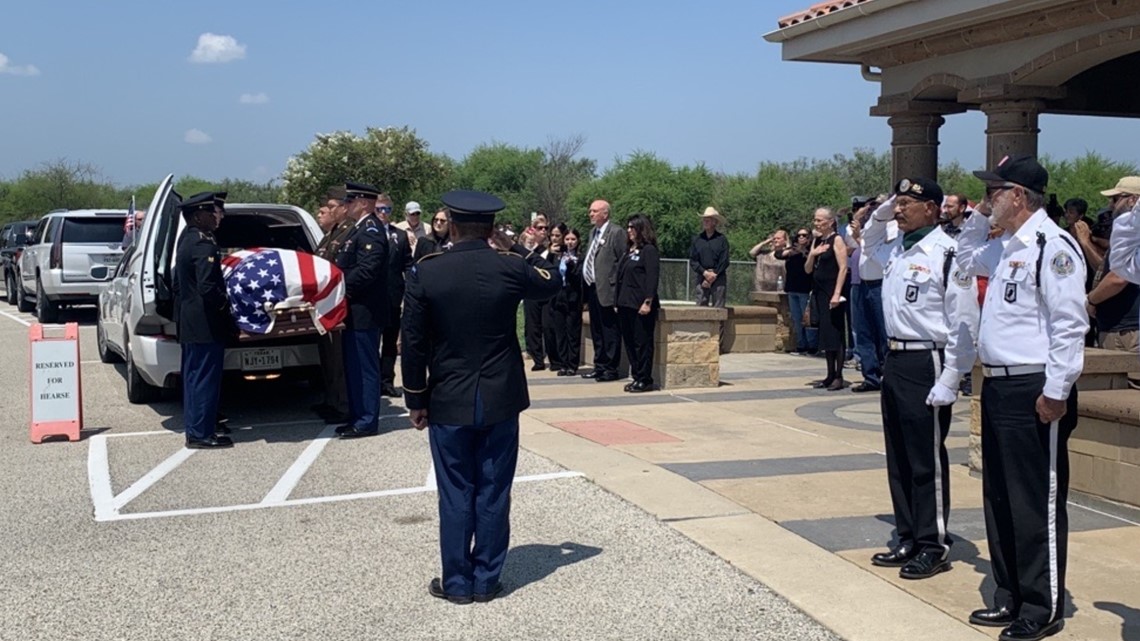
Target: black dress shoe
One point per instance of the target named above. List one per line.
(864, 387)
(209, 443)
(896, 558)
(357, 432)
(591, 374)
(341, 429)
(489, 596)
(435, 588)
(388, 389)
(220, 428)
(640, 386)
(607, 377)
(1026, 630)
(538, 367)
(927, 564)
(992, 617)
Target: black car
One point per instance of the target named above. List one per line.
(13, 238)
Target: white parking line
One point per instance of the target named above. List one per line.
(288, 481)
(16, 318)
(152, 477)
(99, 477)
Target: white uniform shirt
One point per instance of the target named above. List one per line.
(918, 302)
(1124, 256)
(871, 269)
(1023, 322)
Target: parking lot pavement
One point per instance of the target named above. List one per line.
(125, 535)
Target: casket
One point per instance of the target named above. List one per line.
(274, 293)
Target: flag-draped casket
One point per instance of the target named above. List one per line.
(262, 284)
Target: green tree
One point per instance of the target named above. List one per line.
(560, 172)
(504, 170)
(1085, 177)
(393, 159)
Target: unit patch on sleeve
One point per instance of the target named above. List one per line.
(1062, 264)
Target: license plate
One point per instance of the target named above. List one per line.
(261, 359)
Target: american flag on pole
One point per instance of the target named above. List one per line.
(260, 281)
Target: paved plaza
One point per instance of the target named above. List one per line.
(748, 511)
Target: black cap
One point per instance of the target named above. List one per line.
(1022, 170)
(858, 201)
(919, 189)
(360, 190)
(467, 206)
(203, 201)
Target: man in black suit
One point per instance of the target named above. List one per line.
(364, 260)
(459, 319)
(399, 260)
(599, 271)
(201, 310)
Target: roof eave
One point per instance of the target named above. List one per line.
(846, 14)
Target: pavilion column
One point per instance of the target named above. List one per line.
(1011, 128)
(914, 145)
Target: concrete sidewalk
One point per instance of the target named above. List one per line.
(789, 484)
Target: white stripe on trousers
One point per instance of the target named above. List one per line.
(1053, 575)
(938, 506)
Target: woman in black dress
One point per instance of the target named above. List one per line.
(563, 321)
(827, 263)
(637, 302)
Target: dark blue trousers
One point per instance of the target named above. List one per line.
(362, 376)
(474, 470)
(201, 387)
(870, 329)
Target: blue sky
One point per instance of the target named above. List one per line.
(113, 84)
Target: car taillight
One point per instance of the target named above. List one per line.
(55, 261)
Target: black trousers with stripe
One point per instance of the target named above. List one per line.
(918, 468)
(1025, 482)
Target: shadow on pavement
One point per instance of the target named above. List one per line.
(534, 562)
(1130, 624)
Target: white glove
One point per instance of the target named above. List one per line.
(941, 395)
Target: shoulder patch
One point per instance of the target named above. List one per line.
(1062, 264)
(962, 279)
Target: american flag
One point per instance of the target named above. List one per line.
(259, 281)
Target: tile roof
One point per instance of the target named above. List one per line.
(816, 10)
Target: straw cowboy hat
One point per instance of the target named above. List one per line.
(713, 213)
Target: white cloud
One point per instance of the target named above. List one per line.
(197, 137)
(214, 48)
(254, 98)
(7, 67)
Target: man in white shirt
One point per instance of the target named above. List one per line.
(412, 223)
(931, 315)
(1031, 343)
(1124, 252)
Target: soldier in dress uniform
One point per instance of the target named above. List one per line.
(334, 408)
(201, 311)
(459, 322)
(930, 310)
(363, 258)
(1032, 342)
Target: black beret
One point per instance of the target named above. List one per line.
(468, 206)
(919, 189)
(360, 190)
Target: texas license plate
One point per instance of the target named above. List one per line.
(261, 359)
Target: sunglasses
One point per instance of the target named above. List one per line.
(385, 210)
(540, 227)
(440, 221)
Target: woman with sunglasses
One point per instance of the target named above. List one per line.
(435, 240)
(637, 302)
(797, 284)
(562, 334)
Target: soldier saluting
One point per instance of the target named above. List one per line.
(201, 311)
(459, 322)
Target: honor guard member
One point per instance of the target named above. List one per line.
(930, 310)
(334, 407)
(363, 258)
(1031, 344)
(201, 310)
(459, 323)
(399, 261)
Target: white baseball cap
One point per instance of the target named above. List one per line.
(412, 208)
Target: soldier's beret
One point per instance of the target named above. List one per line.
(468, 206)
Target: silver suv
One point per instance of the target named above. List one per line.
(71, 257)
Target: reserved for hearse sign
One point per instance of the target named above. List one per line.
(56, 397)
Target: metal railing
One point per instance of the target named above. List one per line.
(677, 283)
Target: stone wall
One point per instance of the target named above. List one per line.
(750, 329)
(686, 350)
(1104, 370)
(782, 339)
(1104, 450)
